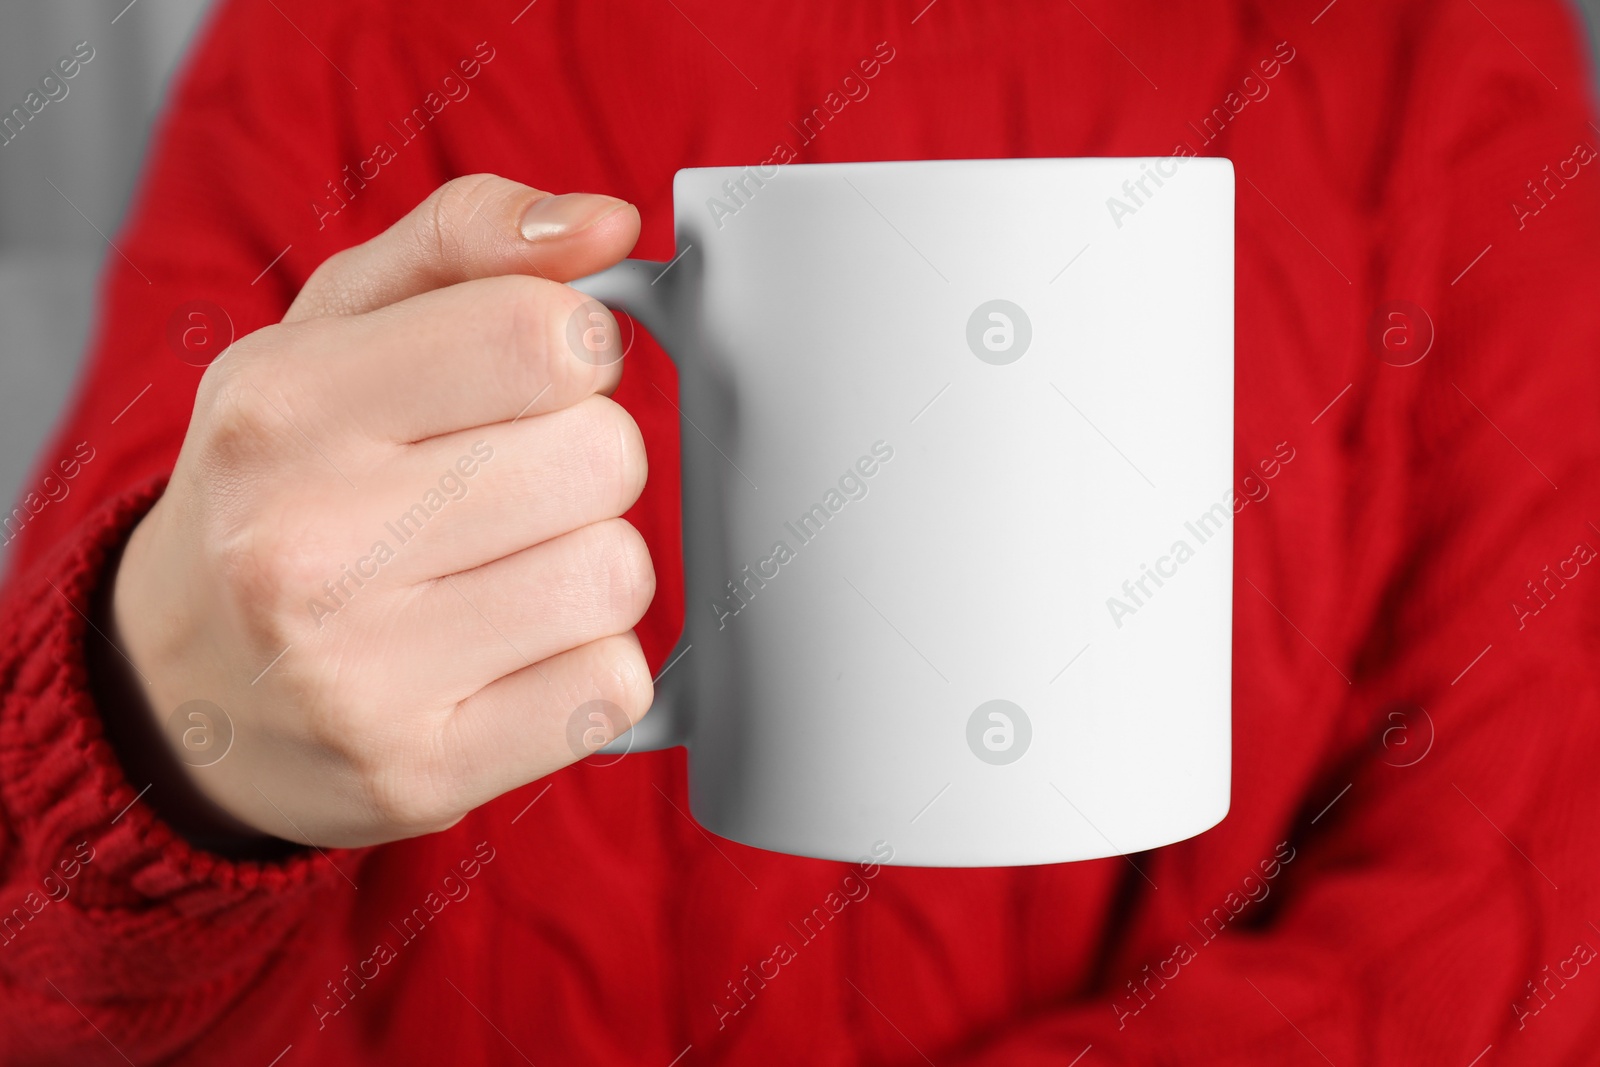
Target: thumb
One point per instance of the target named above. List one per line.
(478, 226)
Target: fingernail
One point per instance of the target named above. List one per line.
(558, 216)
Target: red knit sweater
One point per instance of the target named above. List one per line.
(1408, 874)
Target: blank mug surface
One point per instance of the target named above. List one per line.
(957, 464)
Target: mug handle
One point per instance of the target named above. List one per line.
(630, 287)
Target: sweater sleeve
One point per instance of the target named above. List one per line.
(113, 930)
(107, 919)
(1440, 901)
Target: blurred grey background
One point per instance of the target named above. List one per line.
(88, 145)
(65, 182)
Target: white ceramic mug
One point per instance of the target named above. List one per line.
(957, 457)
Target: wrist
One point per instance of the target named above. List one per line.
(130, 681)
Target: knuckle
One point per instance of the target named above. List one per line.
(234, 420)
(524, 307)
(622, 569)
(449, 212)
(272, 569)
(400, 773)
(580, 338)
(271, 549)
(331, 288)
(411, 796)
(623, 677)
(334, 726)
(611, 452)
(249, 569)
(547, 332)
(527, 317)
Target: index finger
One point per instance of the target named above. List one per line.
(473, 354)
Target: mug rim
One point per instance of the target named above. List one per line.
(1009, 161)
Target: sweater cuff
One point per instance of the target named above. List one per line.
(63, 789)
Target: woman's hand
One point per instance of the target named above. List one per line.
(391, 550)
